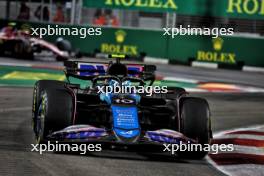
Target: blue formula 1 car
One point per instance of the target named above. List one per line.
(76, 110)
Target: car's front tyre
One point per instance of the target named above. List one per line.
(195, 124)
(52, 108)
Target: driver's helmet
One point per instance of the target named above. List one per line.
(113, 83)
(117, 69)
(12, 24)
(9, 29)
(25, 32)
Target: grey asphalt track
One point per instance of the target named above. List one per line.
(228, 111)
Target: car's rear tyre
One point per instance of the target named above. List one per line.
(195, 124)
(52, 108)
(175, 92)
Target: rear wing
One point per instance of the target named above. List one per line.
(89, 70)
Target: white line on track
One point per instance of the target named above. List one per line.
(195, 90)
(167, 78)
(15, 64)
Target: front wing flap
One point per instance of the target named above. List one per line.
(84, 133)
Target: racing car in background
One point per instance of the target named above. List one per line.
(20, 44)
(67, 112)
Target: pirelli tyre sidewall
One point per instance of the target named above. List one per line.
(195, 124)
(51, 109)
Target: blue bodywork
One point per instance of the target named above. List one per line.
(125, 121)
(124, 116)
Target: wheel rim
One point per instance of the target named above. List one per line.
(39, 135)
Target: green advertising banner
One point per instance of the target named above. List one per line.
(230, 50)
(120, 41)
(249, 9)
(225, 50)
